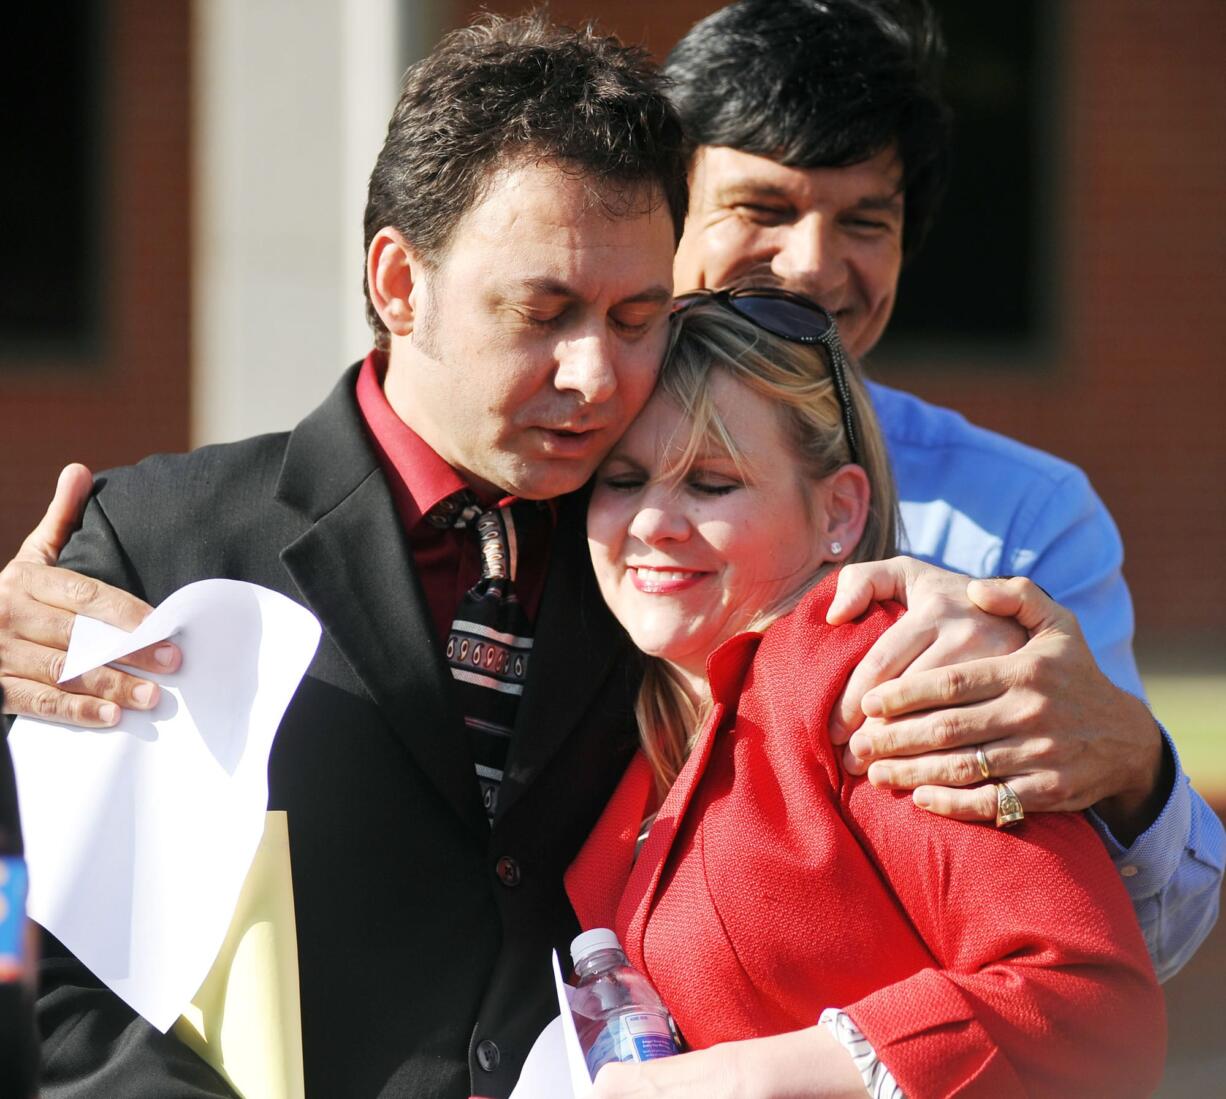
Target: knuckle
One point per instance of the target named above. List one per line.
(952, 684)
(883, 742)
(1026, 669)
(945, 730)
(873, 665)
(83, 590)
(53, 666)
(8, 593)
(1046, 789)
(105, 681)
(1044, 749)
(45, 703)
(1024, 586)
(1061, 790)
(965, 771)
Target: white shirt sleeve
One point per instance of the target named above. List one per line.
(878, 1080)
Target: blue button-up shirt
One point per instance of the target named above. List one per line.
(982, 504)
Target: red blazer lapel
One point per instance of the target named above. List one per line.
(726, 669)
(597, 878)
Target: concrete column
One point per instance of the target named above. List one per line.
(292, 99)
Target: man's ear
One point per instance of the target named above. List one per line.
(394, 273)
(843, 501)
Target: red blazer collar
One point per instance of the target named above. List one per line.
(607, 885)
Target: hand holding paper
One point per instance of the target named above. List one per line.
(139, 837)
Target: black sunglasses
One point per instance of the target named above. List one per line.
(791, 317)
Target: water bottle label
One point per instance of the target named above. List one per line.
(12, 917)
(641, 1036)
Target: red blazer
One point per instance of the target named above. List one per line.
(772, 885)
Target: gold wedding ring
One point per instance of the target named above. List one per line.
(982, 760)
(1008, 808)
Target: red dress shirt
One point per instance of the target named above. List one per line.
(772, 885)
(448, 561)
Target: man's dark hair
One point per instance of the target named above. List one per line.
(822, 84)
(502, 89)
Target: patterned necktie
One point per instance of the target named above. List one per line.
(490, 639)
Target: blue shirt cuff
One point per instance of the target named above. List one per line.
(1149, 863)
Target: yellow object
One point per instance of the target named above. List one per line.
(246, 1020)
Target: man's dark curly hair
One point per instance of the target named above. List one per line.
(822, 84)
(504, 89)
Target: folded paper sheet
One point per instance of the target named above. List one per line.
(555, 1067)
(245, 1019)
(139, 838)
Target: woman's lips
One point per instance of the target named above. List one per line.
(654, 581)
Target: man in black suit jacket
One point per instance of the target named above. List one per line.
(520, 230)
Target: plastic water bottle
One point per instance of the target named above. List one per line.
(618, 1015)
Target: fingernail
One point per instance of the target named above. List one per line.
(921, 798)
(164, 655)
(108, 713)
(143, 695)
(871, 705)
(853, 764)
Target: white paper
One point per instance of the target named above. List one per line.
(139, 837)
(555, 1067)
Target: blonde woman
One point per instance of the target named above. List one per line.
(759, 886)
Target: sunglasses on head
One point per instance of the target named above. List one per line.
(790, 317)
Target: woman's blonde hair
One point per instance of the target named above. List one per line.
(710, 337)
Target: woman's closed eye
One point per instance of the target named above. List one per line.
(710, 483)
(712, 488)
(623, 480)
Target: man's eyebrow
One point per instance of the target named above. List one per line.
(748, 188)
(889, 203)
(555, 288)
(741, 189)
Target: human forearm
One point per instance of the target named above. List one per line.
(802, 1064)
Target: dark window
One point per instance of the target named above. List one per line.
(51, 188)
(983, 279)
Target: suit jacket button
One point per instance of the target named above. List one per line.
(508, 872)
(488, 1055)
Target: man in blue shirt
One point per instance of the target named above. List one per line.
(820, 151)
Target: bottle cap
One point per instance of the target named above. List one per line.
(599, 938)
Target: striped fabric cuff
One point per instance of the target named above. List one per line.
(878, 1080)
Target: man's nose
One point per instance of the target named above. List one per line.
(808, 260)
(586, 366)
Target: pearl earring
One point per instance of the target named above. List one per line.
(836, 548)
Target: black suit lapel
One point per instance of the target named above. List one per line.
(354, 569)
(575, 645)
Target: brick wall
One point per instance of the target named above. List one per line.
(1132, 391)
(131, 398)
(1135, 392)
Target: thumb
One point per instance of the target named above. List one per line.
(1017, 597)
(47, 540)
